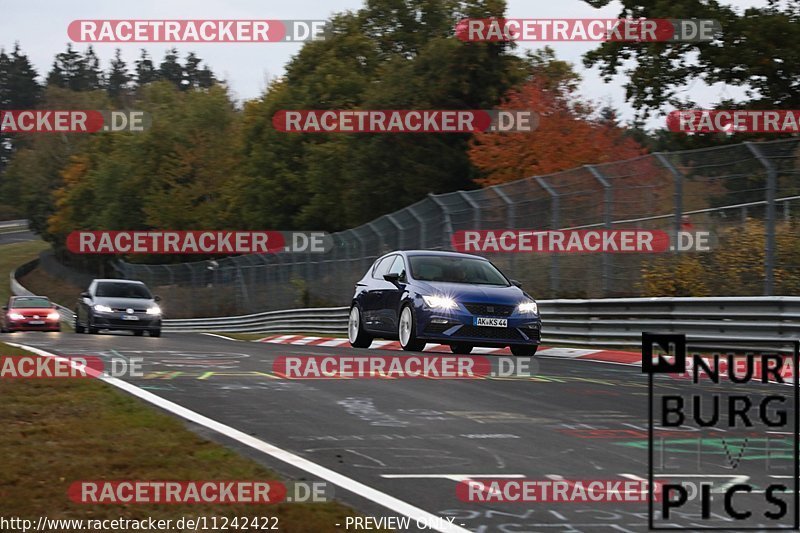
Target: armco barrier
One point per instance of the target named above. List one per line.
(601, 322)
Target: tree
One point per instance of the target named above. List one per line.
(145, 70)
(567, 136)
(75, 72)
(392, 54)
(19, 89)
(118, 79)
(170, 69)
(758, 49)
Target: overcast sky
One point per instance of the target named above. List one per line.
(40, 26)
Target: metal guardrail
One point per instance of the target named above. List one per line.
(602, 322)
(312, 320)
(599, 322)
(621, 321)
(16, 225)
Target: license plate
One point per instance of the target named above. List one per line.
(36, 322)
(491, 322)
(130, 317)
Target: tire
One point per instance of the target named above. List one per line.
(78, 327)
(524, 350)
(138, 332)
(461, 348)
(155, 332)
(407, 331)
(355, 330)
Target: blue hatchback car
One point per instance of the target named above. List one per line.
(457, 299)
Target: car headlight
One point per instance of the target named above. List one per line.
(16, 316)
(100, 308)
(528, 307)
(53, 316)
(155, 310)
(439, 302)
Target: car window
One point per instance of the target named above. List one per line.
(122, 290)
(456, 270)
(26, 302)
(383, 267)
(398, 266)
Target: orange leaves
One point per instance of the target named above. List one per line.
(566, 138)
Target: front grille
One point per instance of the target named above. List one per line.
(482, 332)
(125, 310)
(490, 309)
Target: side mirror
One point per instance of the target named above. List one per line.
(392, 278)
(85, 294)
(516, 283)
(156, 298)
(5, 308)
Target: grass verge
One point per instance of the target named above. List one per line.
(12, 257)
(56, 432)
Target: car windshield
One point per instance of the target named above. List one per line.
(28, 303)
(122, 290)
(456, 270)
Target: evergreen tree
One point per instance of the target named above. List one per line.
(145, 70)
(118, 78)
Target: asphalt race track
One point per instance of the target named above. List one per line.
(415, 438)
(17, 236)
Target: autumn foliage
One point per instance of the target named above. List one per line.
(566, 137)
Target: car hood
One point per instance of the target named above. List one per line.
(124, 303)
(465, 292)
(31, 310)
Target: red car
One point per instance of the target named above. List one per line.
(30, 313)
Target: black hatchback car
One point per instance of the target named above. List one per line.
(117, 304)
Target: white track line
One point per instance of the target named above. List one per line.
(356, 487)
(220, 336)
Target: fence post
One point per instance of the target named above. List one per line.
(555, 222)
(608, 206)
(678, 177)
(476, 209)
(423, 234)
(769, 252)
(401, 237)
(510, 215)
(447, 238)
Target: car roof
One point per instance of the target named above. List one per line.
(29, 297)
(119, 281)
(440, 253)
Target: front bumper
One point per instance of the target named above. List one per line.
(115, 321)
(458, 326)
(25, 325)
